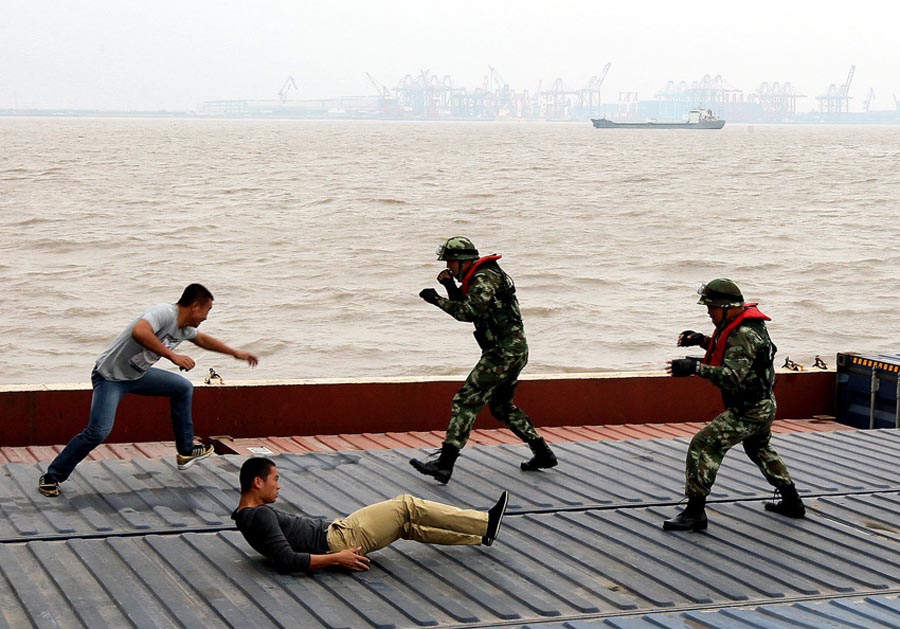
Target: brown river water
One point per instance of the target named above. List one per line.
(315, 238)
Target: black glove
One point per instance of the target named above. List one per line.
(689, 338)
(454, 292)
(682, 367)
(430, 295)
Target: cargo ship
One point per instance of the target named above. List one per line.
(697, 119)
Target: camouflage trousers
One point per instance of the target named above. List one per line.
(492, 381)
(752, 428)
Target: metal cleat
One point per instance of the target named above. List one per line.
(213, 378)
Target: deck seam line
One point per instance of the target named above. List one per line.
(677, 610)
(518, 513)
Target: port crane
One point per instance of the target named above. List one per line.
(499, 83)
(837, 99)
(286, 88)
(555, 102)
(383, 91)
(776, 99)
(589, 96)
(496, 84)
(869, 98)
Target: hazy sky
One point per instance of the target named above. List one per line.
(119, 54)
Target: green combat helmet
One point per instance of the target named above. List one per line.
(457, 248)
(720, 292)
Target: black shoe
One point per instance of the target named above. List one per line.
(495, 519)
(790, 504)
(693, 518)
(440, 467)
(543, 457)
(48, 486)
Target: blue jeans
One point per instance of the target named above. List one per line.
(105, 401)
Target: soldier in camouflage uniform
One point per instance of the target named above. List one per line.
(739, 360)
(486, 297)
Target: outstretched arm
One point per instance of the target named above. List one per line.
(215, 345)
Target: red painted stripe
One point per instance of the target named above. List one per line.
(390, 440)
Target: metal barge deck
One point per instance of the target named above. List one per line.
(135, 542)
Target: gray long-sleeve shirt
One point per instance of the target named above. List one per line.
(286, 539)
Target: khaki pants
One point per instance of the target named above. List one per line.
(406, 517)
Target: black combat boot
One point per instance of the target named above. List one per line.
(543, 456)
(790, 503)
(440, 467)
(693, 518)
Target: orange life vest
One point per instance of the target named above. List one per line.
(468, 278)
(716, 352)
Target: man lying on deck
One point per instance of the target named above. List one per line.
(300, 544)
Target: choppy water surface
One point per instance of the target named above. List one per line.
(315, 238)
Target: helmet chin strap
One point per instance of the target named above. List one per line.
(460, 271)
(725, 317)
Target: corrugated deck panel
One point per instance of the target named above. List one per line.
(137, 542)
(842, 613)
(876, 512)
(576, 566)
(115, 497)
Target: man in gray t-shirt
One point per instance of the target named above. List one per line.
(127, 367)
(127, 359)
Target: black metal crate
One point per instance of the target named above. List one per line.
(868, 387)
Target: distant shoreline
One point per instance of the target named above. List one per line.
(882, 117)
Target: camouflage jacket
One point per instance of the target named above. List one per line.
(490, 304)
(747, 373)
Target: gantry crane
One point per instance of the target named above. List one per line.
(589, 96)
(845, 88)
(555, 102)
(776, 98)
(496, 84)
(837, 99)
